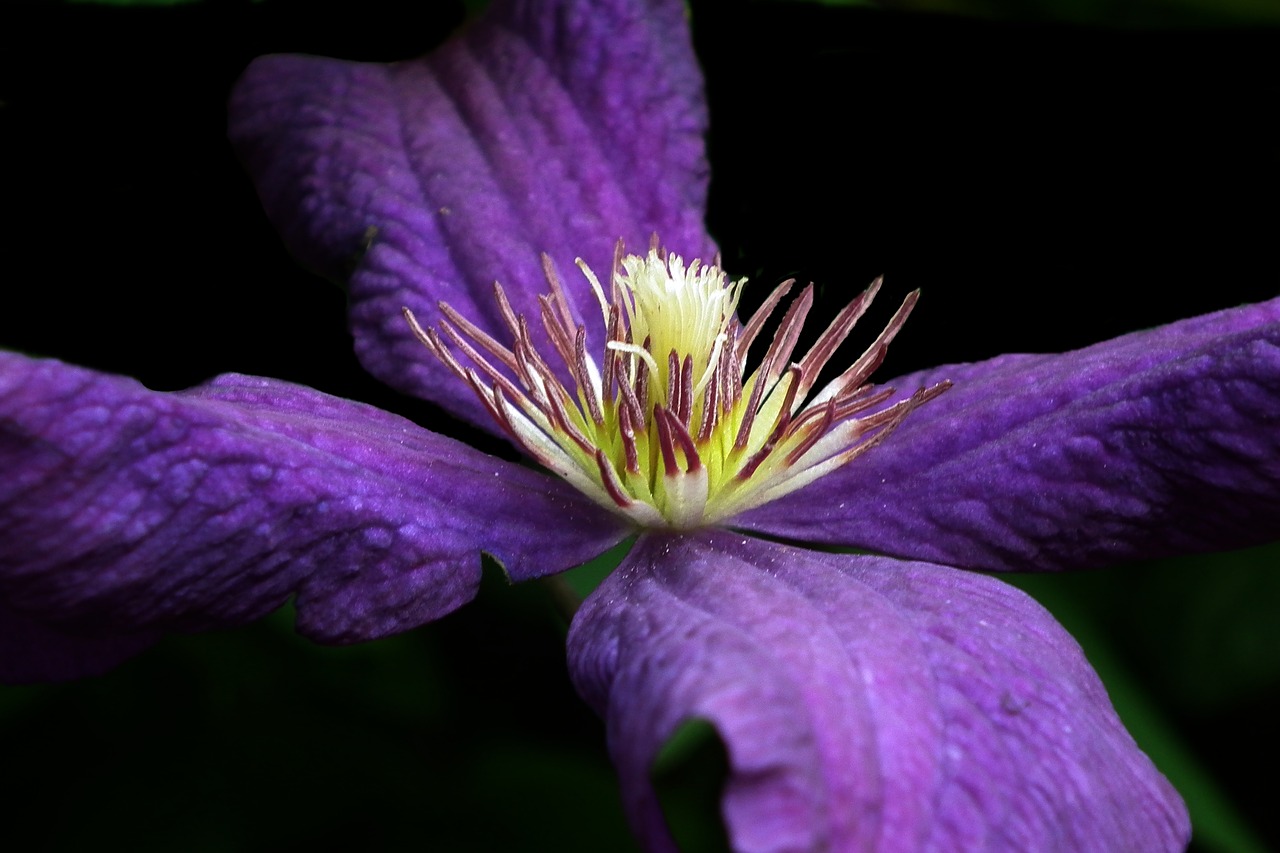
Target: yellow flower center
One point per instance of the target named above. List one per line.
(663, 424)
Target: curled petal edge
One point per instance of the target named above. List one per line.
(864, 703)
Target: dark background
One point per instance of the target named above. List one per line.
(1046, 185)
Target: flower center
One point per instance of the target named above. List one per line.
(663, 424)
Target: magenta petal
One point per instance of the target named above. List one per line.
(126, 512)
(553, 127)
(1157, 443)
(865, 704)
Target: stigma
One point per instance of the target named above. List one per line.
(655, 415)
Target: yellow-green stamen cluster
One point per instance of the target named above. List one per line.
(662, 426)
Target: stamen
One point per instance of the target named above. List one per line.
(748, 335)
(560, 418)
(475, 357)
(822, 350)
(788, 334)
(644, 371)
(611, 482)
(781, 423)
(666, 431)
(587, 376)
(610, 355)
(730, 378)
(710, 409)
(508, 314)
(827, 414)
(560, 338)
(858, 372)
(684, 403)
(660, 421)
(631, 402)
(692, 461)
(558, 294)
(476, 334)
(625, 422)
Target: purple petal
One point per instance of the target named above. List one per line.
(1161, 442)
(553, 127)
(864, 703)
(125, 513)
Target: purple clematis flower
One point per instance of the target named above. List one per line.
(889, 702)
